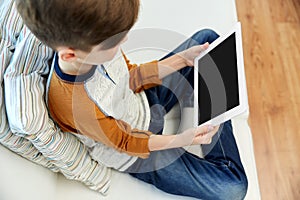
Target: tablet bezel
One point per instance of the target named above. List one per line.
(243, 98)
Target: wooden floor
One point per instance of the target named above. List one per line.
(271, 36)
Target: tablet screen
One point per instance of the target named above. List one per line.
(218, 89)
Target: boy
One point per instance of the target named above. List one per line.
(108, 105)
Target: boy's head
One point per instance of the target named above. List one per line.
(79, 24)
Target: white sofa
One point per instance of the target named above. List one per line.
(173, 21)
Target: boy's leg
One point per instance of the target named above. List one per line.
(223, 147)
(178, 172)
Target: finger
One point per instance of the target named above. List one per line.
(208, 141)
(200, 48)
(210, 135)
(203, 139)
(201, 130)
(216, 128)
(205, 45)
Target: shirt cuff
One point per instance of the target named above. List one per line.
(149, 76)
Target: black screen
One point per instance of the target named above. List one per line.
(218, 80)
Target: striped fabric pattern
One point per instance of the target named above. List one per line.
(13, 142)
(31, 133)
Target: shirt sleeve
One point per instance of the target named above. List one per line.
(119, 135)
(144, 76)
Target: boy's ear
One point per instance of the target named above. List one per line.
(67, 54)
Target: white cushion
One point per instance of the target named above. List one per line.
(21, 179)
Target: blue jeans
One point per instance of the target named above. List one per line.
(219, 175)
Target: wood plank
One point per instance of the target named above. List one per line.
(284, 10)
(297, 8)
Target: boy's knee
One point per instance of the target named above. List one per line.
(208, 35)
(235, 190)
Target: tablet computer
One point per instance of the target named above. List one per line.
(220, 85)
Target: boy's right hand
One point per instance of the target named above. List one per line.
(192, 136)
(199, 135)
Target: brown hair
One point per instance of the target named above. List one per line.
(79, 24)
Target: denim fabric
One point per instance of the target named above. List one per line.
(220, 174)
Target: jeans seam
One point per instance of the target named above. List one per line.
(221, 145)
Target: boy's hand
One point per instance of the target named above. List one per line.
(199, 135)
(180, 60)
(190, 54)
(192, 136)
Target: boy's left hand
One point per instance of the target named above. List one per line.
(190, 54)
(180, 60)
